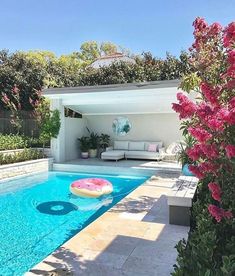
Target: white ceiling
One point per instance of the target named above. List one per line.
(139, 101)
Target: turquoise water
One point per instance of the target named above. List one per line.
(38, 214)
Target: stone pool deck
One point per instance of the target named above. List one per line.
(132, 238)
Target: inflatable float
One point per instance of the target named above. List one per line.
(91, 187)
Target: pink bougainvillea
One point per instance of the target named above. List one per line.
(219, 213)
(230, 151)
(212, 114)
(215, 190)
(200, 134)
(186, 108)
(229, 35)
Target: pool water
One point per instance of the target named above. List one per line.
(38, 214)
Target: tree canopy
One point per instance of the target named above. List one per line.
(32, 71)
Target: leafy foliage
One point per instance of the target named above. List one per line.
(48, 121)
(84, 143)
(32, 71)
(26, 154)
(104, 140)
(10, 142)
(146, 68)
(182, 155)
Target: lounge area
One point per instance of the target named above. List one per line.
(139, 114)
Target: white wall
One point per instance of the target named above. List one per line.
(150, 127)
(74, 129)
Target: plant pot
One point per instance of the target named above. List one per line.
(92, 153)
(84, 155)
(186, 171)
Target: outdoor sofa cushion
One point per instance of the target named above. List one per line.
(136, 145)
(136, 154)
(121, 145)
(113, 155)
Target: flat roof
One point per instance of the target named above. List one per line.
(112, 87)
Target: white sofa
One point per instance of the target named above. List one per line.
(132, 150)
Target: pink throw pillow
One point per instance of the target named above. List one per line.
(152, 147)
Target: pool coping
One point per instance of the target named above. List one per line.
(147, 229)
(135, 171)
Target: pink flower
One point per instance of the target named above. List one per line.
(186, 108)
(215, 124)
(208, 167)
(196, 171)
(200, 134)
(215, 212)
(230, 151)
(229, 35)
(231, 61)
(215, 29)
(232, 101)
(210, 151)
(200, 24)
(215, 190)
(210, 93)
(228, 214)
(231, 71)
(231, 57)
(204, 110)
(195, 152)
(230, 84)
(230, 118)
(219, 213)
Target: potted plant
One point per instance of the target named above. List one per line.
(103, 142)
(93, 142)
(183, 157)
(84, 146)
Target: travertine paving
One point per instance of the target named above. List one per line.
(132, 238)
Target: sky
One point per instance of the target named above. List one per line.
(61, 26)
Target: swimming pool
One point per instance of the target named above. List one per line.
(38, 214)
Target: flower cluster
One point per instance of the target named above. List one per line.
(229, 35)
(219, 213)
(215, 191)
(231, 61)
(202, 151)
(211, 93)
(212, 116)
(186, 108)
(230, 151)
(200, 134)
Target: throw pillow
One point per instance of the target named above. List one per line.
(152, 148)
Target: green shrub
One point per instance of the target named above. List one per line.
(26, 154)
(10, 142)
(36, 142)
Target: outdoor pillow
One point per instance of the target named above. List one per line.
(158, 144)
(121, 145)
(152, 147)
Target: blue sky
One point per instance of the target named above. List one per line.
(139, 25)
